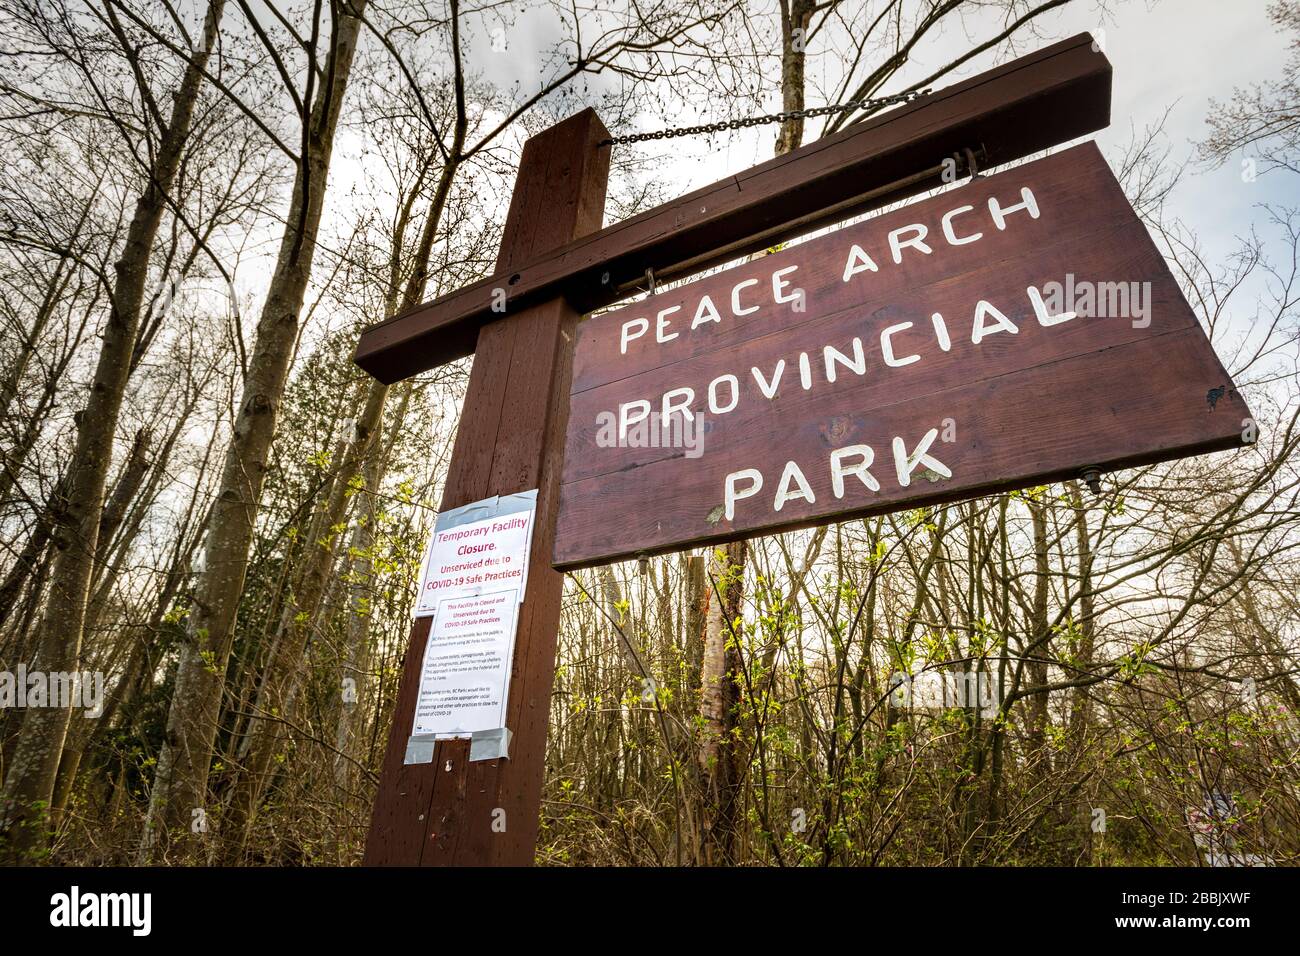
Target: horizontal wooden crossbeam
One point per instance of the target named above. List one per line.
(1048, 97)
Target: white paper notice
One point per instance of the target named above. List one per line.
(467, 665)
(472, 586)
(486, 555)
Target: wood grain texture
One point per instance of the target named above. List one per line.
(1047, 97)
(509, 440)
(1021, 408)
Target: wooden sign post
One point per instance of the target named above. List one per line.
(556, 263)
(510, 439)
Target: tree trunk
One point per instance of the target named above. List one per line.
(275, 696)
(719, 701)
(1080, 707)
(30, 557)
(29, 784)
(178, 801)
(124, 492)
(796, 17)
(276, 691)
(360, 581)
(1038, 640)
(697, 602)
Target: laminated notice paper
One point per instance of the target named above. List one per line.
(472, 583)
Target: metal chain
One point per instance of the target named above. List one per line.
(781, 117)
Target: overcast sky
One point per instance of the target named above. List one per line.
(1166, 53)
(1177, 54)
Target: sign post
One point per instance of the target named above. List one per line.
(453, 811)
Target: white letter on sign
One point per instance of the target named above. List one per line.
(662, 323)
(627, 326)
(1040, 309)
(857, 364)
(948, 231)
(733, 495)
(1027, 203)
(714, 405)
(706, 312)
(687, 395)
(769, 388)
(783, 492)
(917, 241)
(838, 471)
(859, 261)
(735, 298)
(906, 464)
(887, 347)
(625, 416)
(983, 309)
(779, 285)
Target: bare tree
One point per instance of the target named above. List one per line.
(29, 783)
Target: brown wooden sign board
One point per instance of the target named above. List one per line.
(918, 357)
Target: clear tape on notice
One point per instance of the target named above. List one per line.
(483, 745)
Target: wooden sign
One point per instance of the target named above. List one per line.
(1007, 333)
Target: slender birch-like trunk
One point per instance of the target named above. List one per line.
(29, 783)
(177, 816)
